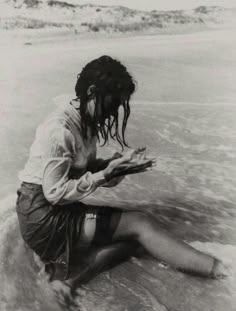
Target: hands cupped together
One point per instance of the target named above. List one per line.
(132, 162)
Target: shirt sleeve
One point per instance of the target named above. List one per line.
(58, 188)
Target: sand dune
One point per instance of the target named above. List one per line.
(64, 15)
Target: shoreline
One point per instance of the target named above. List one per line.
(52, 36)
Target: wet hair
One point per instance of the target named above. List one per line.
(104, 76)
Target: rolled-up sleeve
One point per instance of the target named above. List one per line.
(58, 188)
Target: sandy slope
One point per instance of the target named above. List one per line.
(65, 15)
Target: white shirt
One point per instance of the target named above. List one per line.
(57, 149)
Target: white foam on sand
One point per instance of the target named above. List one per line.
(7, 223)
(22, 288)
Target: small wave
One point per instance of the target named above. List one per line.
(22, 288)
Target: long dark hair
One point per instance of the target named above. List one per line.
(104, 76)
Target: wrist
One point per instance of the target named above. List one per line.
(107, 173)
(99, 178)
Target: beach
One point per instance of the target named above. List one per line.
(184, 113)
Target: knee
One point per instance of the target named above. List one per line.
(142, 222)
(134, 225)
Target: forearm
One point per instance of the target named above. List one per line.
(78, 189)
(59, 188)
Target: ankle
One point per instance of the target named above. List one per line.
(219, 269)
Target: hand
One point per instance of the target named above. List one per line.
(133, 161)
(130, 154)
(134, 154)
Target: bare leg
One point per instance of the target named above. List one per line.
(145, 229)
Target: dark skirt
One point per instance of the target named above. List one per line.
(53, 231)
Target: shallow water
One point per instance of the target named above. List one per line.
(184, 113)
(191, 192)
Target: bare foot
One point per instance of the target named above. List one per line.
(219, 270)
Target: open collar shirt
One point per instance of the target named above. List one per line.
(59, 148)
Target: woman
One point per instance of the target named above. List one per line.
(62, 169)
